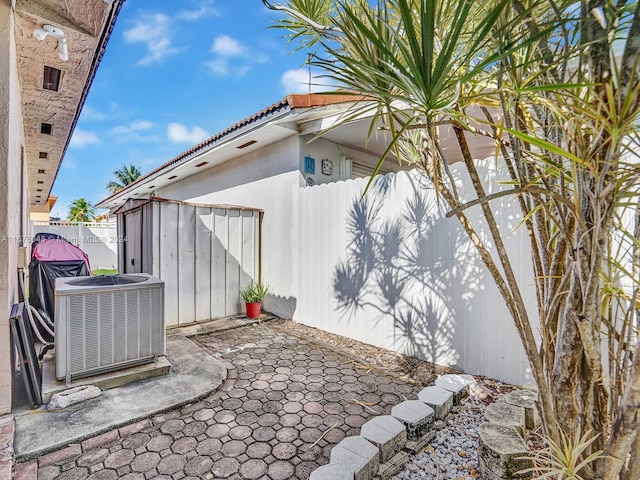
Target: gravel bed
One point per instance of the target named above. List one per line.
(453, 453)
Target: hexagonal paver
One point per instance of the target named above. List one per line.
(225, 467)
(172, 426)
(233, 448)
(252, 469)
(184, 445)
(198, 466)
(281, 470)
(283, 394)
(171, 464)
(119, 458)
(210, 446)
(145, 462)
(159, 443)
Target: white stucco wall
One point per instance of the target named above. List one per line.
(11, 218)
(268, 179)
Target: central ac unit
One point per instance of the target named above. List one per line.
(106, 323)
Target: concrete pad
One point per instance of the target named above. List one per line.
(528, 400)
(501, 451)
(386, 433)
(357, 454)
(51, 385)
(458, 384)
(194, 374)
(332, 472)
(502, 413)
(416, 416)
(439, 399)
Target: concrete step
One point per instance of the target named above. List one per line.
(386, 433)
(439, 399)
(357, 454)
(458, 384)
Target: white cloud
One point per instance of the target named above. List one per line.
(82, 138)
(136, 131)
(297, 81)
(205, 9)
(233, 57)
(179, 133)
(91, 114)
(226, 46)
(69, 163)
(155, 32)
(133, 127)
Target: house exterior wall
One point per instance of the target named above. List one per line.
(13, 192)
(347, 162)
(268, 179)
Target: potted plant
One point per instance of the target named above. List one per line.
(253, 294)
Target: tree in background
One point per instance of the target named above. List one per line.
(81, 210)
(125, 175)
(556, 85)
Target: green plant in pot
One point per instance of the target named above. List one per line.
(253, 294)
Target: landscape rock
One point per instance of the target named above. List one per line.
(72, 396)
(502, 413)
(526, 399)
(502, 452)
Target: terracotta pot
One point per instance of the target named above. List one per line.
(253, 309)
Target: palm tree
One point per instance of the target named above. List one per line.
(81, 210)
(556, 85)
(125, 175)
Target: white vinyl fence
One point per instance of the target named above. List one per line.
(98, 240)
(391, 270)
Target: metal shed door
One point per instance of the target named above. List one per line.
(133, 245)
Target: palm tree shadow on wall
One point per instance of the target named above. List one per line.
(406, 262)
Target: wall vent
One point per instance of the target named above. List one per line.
(51, 78)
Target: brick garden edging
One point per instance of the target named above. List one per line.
(382, 449)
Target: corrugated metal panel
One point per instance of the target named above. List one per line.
(186, 255)
(168, 233)
(203, 239)
(392, 271)
(203, 253)
(233, 259)
(220, 244)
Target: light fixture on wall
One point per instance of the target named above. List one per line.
(45, 31)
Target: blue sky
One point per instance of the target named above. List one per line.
(173, 74)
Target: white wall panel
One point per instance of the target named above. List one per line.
(391, 270)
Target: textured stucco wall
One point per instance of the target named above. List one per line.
(11, 218)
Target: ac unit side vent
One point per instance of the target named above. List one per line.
(101, 329)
